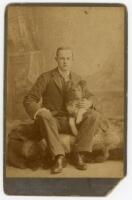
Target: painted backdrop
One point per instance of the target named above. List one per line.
(96, 35)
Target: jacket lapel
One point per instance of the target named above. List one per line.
(57, 79)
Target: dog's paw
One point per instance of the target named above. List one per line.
(75, 132)
(79, 119)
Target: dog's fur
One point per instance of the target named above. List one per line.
(74, 96)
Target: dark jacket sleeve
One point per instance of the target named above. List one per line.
(32, 99)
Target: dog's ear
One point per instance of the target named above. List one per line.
(82, 84)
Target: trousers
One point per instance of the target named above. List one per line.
(50, 130)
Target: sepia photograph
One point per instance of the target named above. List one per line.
(65, 91)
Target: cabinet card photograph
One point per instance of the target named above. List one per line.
(65, 92)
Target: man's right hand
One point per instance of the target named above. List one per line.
(44, 113)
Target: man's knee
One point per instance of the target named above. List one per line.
(44, 114)
(45, 121)
(44, 117)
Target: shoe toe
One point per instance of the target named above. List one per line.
(56, 170)
(82, 167)
(59, 165)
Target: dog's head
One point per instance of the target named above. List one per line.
(75, 91)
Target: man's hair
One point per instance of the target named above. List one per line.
(63, 48)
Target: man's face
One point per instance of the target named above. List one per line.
(64, 60)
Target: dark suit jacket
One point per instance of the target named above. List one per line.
(49, 89)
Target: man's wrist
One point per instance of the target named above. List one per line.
(39, 111)
(35, 115)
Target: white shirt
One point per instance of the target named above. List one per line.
(65, 75)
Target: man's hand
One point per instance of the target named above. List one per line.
(43, 112)
(85, 104)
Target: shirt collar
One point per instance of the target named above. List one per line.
(65, 75)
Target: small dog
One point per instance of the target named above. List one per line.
(74, 97)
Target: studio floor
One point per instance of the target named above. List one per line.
(109, 168)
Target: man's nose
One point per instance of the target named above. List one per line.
(65, 60)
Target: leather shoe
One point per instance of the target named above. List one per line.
(79, 163)
(60, 163)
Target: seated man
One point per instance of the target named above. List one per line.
(51, 117)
